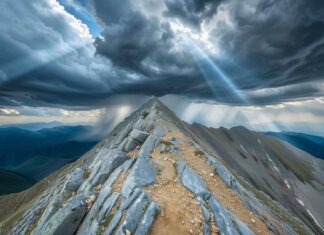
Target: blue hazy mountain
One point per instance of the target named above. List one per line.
(36, 126)
(28, 156)
(311, 144)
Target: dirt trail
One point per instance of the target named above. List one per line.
(180, 212)
(172, 197)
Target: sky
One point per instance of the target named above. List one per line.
(257, 63)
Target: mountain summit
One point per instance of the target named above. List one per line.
(155, 174)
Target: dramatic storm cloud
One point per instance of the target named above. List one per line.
(77, 54)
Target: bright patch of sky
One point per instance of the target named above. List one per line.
(80, 9)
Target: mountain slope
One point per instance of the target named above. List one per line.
(311, 144)
(13, 182)
(35, 154)
(156, 174)
(19, 145)
(283, 172)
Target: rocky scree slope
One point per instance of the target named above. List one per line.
(151, 175)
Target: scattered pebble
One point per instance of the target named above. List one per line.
(98, 187)
(127, 232)
(214, 229)
(90, 201)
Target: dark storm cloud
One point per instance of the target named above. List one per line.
(135, 40)
(279, 42)
(193, 12)
(265, 43)
(46, 59)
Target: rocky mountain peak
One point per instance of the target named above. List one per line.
(153, 174)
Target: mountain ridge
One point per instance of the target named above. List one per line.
(311, 144)
(123, 184)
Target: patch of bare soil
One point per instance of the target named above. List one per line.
(180, 212)
(134, 152)
(119, 181)
(224, 194)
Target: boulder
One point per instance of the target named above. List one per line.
(143, 174)
(139, 135)
(134, 214)
(191, 181)
(147, 219)
(151, 142)
(114, 159)
(68, 218)
(226, 221)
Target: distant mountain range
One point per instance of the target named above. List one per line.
(36, 126)
(311, 144)
(27, 156)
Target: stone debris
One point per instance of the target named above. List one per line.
(225, 220)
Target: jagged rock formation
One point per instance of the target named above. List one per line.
(154, 174)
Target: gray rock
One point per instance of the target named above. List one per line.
(205, 212)
(175, 141)
(142, 174)
(223, 173)
(206, 229)
(246, 197)
(151, 142)
(113, 223)
(114, 159)
(50, 210)
(100, 208)
(114, 175)
(126, 201)
(105, 210)
(107, 206)
(146, 124)
(68, 218)
(134, 139)
(226, 222)
(191, 181)
(147, 219)
(163, 148)
(134, 214)
(130, 144)
(74, 180)
(139, 135)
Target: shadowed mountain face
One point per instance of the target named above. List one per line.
(156, 174)
(285, 173)
(311, 144)
(13, 182)
(28, 156)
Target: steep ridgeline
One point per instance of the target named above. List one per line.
(154, 174)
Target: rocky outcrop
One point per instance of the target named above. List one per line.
(134, 139)
(226, 222)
